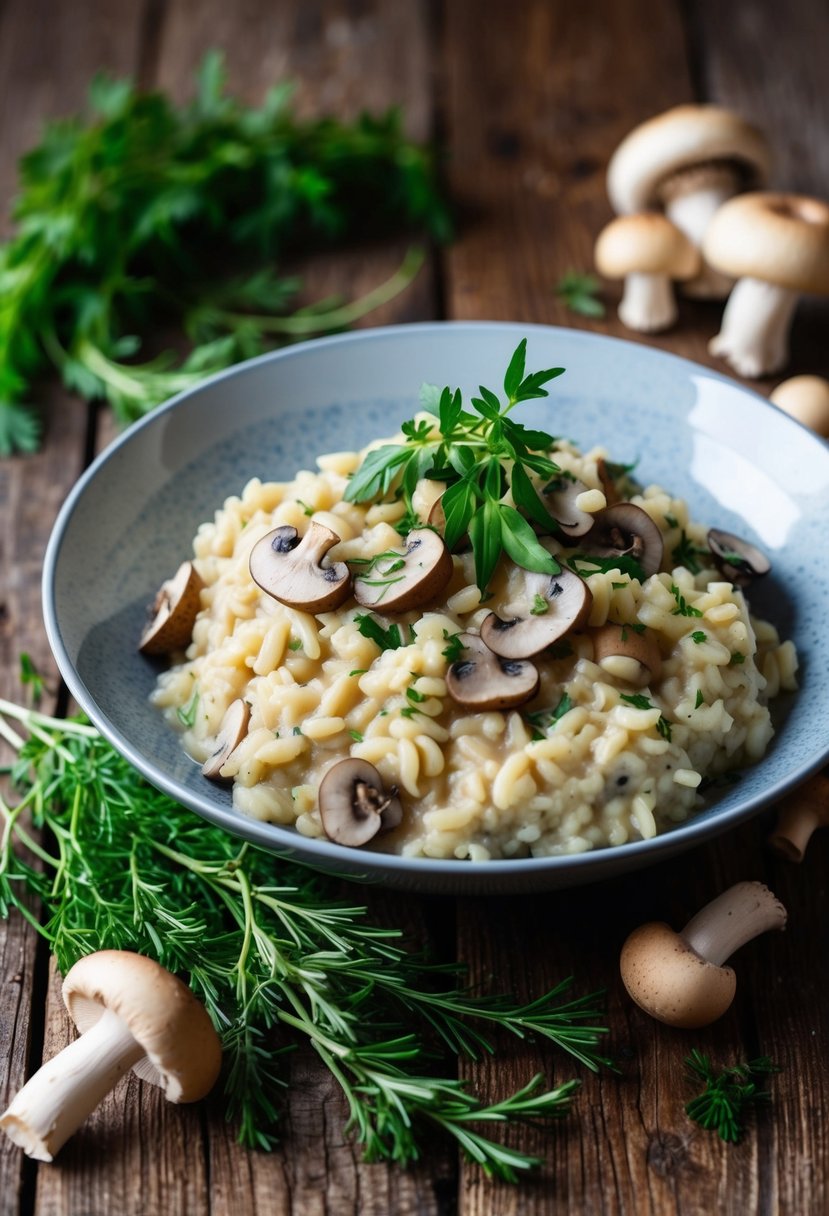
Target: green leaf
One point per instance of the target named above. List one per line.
(525, 496)
(387, 639)
(377, 472)
(19, 429)
(515, 372)
(522, 544)
(458, 503)
(485, 534)
(429, 398)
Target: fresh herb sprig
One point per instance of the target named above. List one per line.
(264, 945)
(145, 211)
(728, 1094)
(580, 292)
(479, 455)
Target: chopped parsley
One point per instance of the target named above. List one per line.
(686, 553)
(639, 701)
(737, 658)
(699, 636)
(386, 639)
(454, 647)
(542, 719)
(683, 608)
(540, 606)
(356, 736)
(295, 644)
(700, 699)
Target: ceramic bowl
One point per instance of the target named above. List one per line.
(741, 463)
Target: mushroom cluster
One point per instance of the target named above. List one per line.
(689, 191)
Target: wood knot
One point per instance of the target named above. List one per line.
(666, 1155)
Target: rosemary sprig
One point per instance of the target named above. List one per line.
(728, 1094)
(264, 944)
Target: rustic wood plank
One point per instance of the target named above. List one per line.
(530, 134)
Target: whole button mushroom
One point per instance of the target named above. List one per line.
(648, 252)
(400, 581)
(777, 246)
(625, 530)
(290, 568)
(131, 1013)
(688, 161)
(174, 613)
(552, 605)
(805, 398)
(680, 978)
(353, 804)
(799, 817)
(482, 680)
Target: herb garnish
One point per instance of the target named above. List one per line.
(186, 714)
(639, 701)
(266, 944)
(386, 639)
(685, 553)
(700, 699)
(540, 605)
(737, 658)
(580, 293)
(454, 647)
(134, 214)
(585, 565)
(469, 451)
(699, 636)
(682, 607)
(728, 1094)
(542, 719)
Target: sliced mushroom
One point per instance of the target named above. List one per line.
(552, 605)
(174, 610)
(354, 805)
(290, 568)
(736, 559)
(401, 581)
(611, 493)
(559, 499)
(482, 680)
(232, 731)
(627, 654)
(625, 530)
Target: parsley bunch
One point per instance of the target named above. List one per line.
(145, 212)
(273, 952)
(479, 455)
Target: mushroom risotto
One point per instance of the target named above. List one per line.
(468, 641)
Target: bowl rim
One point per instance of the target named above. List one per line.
(279, 839)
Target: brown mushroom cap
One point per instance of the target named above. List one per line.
(174, 609)
(625, 530)
(736, 559)
(680, 139)
(670, 981)
(232, 731)
(482, 680)
(647, 243)
(778, 238)
(354, 805)
(183, 1054)
(568, 600)
(409, 579)
(290, 569)
(628, 654)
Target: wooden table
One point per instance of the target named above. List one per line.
(529, 99)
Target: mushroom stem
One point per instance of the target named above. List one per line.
(648, 303)
(754, 335)
(692, 212)
(741, 913)
(801, 816)
(60, 1095)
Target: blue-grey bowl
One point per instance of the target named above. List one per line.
(742, 464)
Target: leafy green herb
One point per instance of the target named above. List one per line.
(682, 608)
(580, 293)
(356, 736)
(476, 454)
(700, 699)
(672, 521)
(186, 714)
(540, 605)
(585, 564)
(663, 726)
(297, 730)
(265, 944)
(728, 1094)
(31, 678)
(737, 658)
(542, 719)
(699, 636)
(454, 647)
(386, 639)
(636, 626)
(413, 695)
(686, 553)
(306, 510)
(358, 671)
(132, 216)
(295, 644)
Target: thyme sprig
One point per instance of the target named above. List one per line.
(268, 947)
(479, 455)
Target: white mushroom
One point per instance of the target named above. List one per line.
(628, 653)
(805, 398)
(551, 605)
(777, 245)
(481, 680)
(232, 731)
(290, 568)
(689, 161)
(131, 1014)
(398, 581)
(648, 252)
(354, 805)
